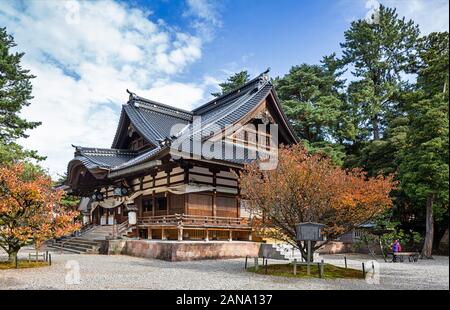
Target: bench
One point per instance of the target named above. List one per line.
(399, 256)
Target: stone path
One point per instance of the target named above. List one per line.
(126, 272)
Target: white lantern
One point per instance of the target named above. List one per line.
(85, 219)
(132, 217)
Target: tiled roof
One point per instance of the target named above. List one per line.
(151, 119)
(154, 121)
(102, 158)
(143, 156)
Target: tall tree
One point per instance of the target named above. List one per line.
(378, 51)
(312, 100)
(29, 209)
(311, 188)
(235, 81)
(424, 170)
(15, 93)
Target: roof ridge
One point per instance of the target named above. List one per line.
(234, 91)
(80, 149)
(146, 101)
(230, 109)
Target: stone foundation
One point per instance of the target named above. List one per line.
(335, 247)
(181, 250)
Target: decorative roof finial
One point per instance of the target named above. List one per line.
(264, 76)
(132, 96)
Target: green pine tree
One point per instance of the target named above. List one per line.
(235, 81)
(15, 93)
(378, 53)
(424, 171)
(312, 100)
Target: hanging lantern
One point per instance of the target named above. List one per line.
(120, 191)
(98, 196)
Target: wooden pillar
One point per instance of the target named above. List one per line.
(167, 203)
(214, 203)
(153, 203)
(180, 233)
(207, 235)
(238, 200)
(167, 193)
(186, 166)
(249, 236)
(153, 192)
(230, 235)
(214, 198)
(163, 234)
(139, 205)
(149, 233)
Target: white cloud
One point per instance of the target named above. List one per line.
(429, 15)
(204, 9)
(85, 55)
(182, 95)
(206, 14)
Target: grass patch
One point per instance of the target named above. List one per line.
(22, 264)
(287, 270)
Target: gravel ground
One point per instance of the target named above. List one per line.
(126, 272)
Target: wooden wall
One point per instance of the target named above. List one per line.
(226, 206)
(200, 204)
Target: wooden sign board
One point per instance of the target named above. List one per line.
(309, 231)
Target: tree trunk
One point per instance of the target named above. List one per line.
(302, 249)
(376, 128)
(428, 244)
(12, 255)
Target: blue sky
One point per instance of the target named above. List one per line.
(86, 54)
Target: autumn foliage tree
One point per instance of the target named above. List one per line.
(309, 188)
(30, 210)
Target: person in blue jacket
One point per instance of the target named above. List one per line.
(396, 247)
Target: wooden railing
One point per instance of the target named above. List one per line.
(120, 229)
(193, 220)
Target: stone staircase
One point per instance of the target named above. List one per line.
(78, 245)
(98, 233)
(283, 251)
(87, 242)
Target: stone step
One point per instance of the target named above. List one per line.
(54, 246)
(77, 244)
(82, 240)
(75, 247)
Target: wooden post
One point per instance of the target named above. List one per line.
(246, 257)
(321, 269)
(345, 260)
(256, 264)
(50, 259)
(295, 267)
(206, 235)
(363, 270)
(230, 235)
(266, 265)
(308, 255)
(149, 233)
(17, 262)
(214, 202)
(163, 235)
(180, 234)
